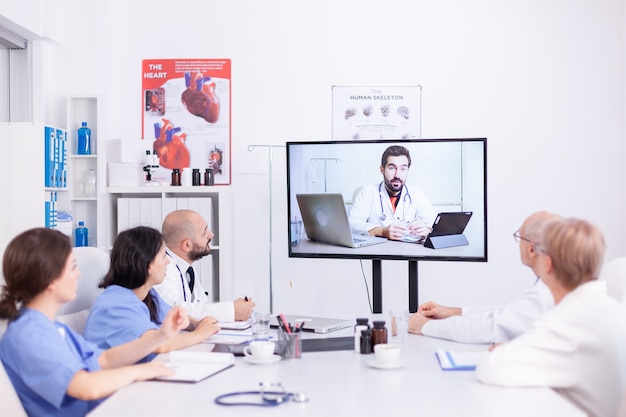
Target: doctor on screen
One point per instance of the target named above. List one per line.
(391, 208)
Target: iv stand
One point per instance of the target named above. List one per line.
(271, 247)
(325, 161)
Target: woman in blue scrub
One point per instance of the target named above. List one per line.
(54, 371)
(129, 307)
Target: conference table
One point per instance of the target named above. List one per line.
(343, 383)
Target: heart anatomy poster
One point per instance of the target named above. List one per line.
(186, 115)
(361, 112)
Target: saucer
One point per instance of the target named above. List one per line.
(386, 365)
(272, 359)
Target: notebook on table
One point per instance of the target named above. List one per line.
(196, 366)
(314, 324)
(325, 220)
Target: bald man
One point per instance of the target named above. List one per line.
(493, 324)
(187, 237)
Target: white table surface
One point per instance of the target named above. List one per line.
(342, 383)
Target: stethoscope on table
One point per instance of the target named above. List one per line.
(382, 217)
(272, 394)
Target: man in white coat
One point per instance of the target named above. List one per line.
(492, 324)
(187, 237)
(392, 209)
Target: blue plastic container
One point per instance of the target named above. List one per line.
(81, 235)
(84, 140)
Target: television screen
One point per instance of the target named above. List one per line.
(427, 200)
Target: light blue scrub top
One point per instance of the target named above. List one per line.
(41, 357)
(119, 317)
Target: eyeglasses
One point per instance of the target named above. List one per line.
(519, 237)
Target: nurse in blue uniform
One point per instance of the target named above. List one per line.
(129, 307)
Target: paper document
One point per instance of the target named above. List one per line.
(459, 360)
(234, 325)
(196, 366)
(229, 337)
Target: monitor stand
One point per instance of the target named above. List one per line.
(377, 286)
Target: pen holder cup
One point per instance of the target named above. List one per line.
(289, 345)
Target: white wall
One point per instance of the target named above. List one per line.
(543, 81)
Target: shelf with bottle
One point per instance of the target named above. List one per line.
(86, 168)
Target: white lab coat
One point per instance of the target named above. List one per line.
(494, 324)
(578, 348)
(365, 212)
(175, 291)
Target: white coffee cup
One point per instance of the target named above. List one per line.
(387, 353)
(260, 349)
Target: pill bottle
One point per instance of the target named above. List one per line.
(209, 178)
(195, 175)
(361, 324)
(366, 342)
(176, 176)
(379, 333)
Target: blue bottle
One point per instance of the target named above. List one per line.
(82, 235)
(84, 140)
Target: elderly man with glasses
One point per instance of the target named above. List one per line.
(491, 324)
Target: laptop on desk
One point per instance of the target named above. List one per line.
(314, 324)
(325, 220)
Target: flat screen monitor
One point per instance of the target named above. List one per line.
(444, 176)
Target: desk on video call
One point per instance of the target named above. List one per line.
(390, 248)
(396, 249)
(341, 383)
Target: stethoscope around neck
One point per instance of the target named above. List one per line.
(182, 277)
(382, 217)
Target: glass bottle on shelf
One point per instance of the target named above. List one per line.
(90, 183)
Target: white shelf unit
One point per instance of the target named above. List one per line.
(23, 160)
(220, 224)
(92, 209)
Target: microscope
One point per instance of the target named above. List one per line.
(151, 165)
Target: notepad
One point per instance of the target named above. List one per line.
(196, 366)
(459, 360)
